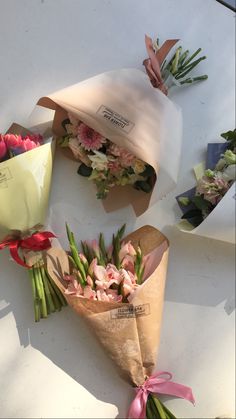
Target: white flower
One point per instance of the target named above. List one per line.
(230, 172)
(99, 160)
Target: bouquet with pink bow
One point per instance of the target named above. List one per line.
(26, 161)
(119, 291)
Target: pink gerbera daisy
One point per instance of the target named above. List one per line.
(89, 139)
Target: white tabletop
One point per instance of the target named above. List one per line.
(56, 369)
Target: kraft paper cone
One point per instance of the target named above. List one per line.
(129, 332)
(25, 182)
(123, 106)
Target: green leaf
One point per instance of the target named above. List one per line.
(143, 186)
(65, 122)
(230, 136)
(149, 171)
(200, 202)
(194, 216)
(84, 170)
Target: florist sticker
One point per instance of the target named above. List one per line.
(115, 119)
(131, 311)
(5, 175)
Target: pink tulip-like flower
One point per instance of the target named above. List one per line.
(88, 138)
(3, 149)
(17, 144)
(126, 249)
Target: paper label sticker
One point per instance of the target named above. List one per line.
(5, 175)
(131, 311)
(115, 119)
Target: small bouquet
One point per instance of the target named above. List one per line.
(209, 208)
(104, 162)
(25, 177)
(119, 291)
(121, 129)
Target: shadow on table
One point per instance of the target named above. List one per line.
(207, 280)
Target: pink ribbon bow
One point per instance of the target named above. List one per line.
(155, 60)
(158, 383)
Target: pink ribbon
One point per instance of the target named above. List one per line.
(155, 60)
(159, 383)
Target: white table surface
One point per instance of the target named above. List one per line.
(56, 369)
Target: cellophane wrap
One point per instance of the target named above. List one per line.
(129, 332)
(123, 106)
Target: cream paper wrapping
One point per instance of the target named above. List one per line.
(129, 333)
(123, 106)
(24, 188)
(220, 223)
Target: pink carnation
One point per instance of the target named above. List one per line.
(213, 189)
(90, 139)
(126, 159)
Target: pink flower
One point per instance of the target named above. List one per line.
(74, 288)
(129, 283)
(3, 148)
(18, 144)
(126, 159)
(213, 189)
(102, 295)
(89, 281)
(114, 166)
(90, 139)
(89, 293)
(128, 263)
(126, 249)
(92, 266)
(114, 296)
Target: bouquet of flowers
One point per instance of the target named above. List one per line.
(119, 128)
(208, 209)
(25, 177)
(119, 291)
(104, 162)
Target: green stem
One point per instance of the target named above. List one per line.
(40, 292)
(193, 79)
(75, 254)
(36, 301)
(49, 299)
(56, 290)
(192, 57)
(56, 300)
(189, 68)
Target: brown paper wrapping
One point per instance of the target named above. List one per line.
(152, 127)
(129, 333)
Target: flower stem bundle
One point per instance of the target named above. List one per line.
(47, 296)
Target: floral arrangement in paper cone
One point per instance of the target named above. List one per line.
(214, 182)
(119, 291)
(119, 127)
(25, 178)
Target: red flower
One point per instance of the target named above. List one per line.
(3, 148)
